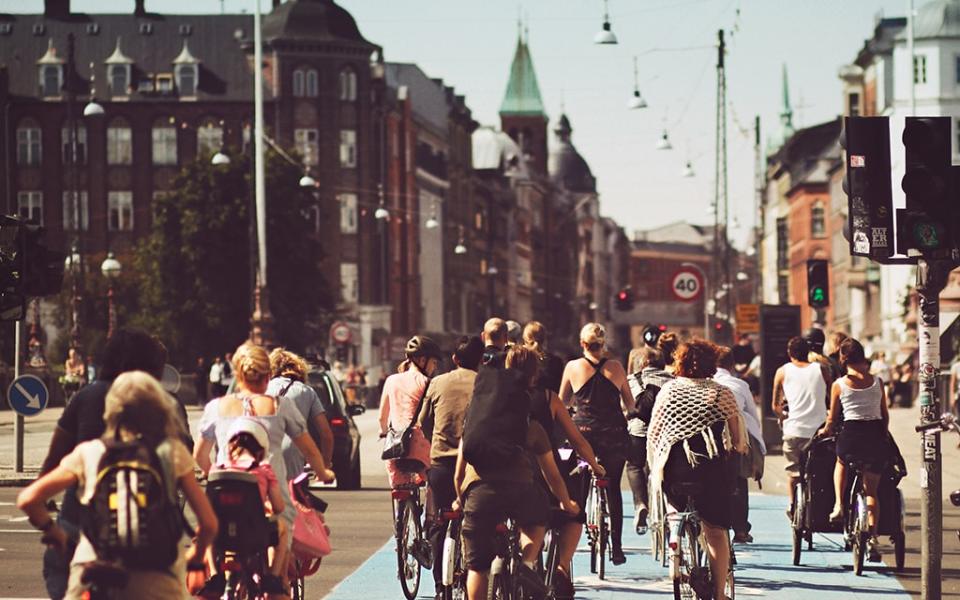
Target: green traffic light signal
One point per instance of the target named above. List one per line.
(818, 295)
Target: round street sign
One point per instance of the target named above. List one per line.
(686, 285)
(340, 332)
(27, 395)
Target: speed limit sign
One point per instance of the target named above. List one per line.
(686, 285)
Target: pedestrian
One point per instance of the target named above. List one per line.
(441, 420)
(863, 437)
(215, 377)
(695, 425)
(81, 421)
(252, 368)
(135, 407)
(647, 377)
(200, 380)
(288, 376)
(403, 394)
(743, 353)
(597, 386)
(226, 378)
(799, 399)
(749, 465)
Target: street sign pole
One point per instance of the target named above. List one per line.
(18, 418)
(931, 279)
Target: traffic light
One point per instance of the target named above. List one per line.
(928, 224)
(12, 299)
(818, 283)
(43, 268)
(624, 299)
(867, 185)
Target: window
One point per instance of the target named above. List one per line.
(119, 80)
(853, 104)
(817, 225)
(920, 69)
(349, 282)
(51, 77)
(348, 213)
(209, 138)
(783, 242)
(348, 148)
(164, 145)
(75, 211)
(120, 211)
(298, 83)
(165, 83)
(348, 85)
(312, 87)
(28, 146)
(186, 76)
(306, 143)
(79, 154)
(30, 206)
(119, 145)
(957, 68)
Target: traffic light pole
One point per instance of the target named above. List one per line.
(18, 418)
(931, 279)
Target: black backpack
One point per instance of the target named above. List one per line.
(133, 517)
(495, 426)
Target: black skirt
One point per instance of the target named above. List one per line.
(864, 442)
(715, 479)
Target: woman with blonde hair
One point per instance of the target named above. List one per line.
(251, 364)
(288, 373)
(136, 407)
(551, 366)
(597, 386)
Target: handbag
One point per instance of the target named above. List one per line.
(396, 444)
(310, 536)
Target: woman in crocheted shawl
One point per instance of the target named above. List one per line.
(694, 425)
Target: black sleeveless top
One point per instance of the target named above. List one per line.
(598, 402)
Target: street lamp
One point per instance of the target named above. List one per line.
(664, 142)
(110, 267)
(636, 101)
(461, 247)
(381, 214)
(220, 158)
(72, 265)
(688, 170)
(307, 182)
(706, 303)
(605, 35)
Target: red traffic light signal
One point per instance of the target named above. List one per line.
(624, 299)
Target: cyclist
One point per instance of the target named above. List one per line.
(491, 495)
(252, 370)
(403, 393)
(547, 409)
(441, 419)
(135, 407)
(694, 425)
(551, 366)
(289, 373)
(601, 395)
(862, 399)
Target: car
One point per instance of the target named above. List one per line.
(346, 436)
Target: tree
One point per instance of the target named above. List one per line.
(194, 266)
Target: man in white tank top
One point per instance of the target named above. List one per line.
(800, 400)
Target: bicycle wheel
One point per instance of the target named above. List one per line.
(592, 527)
(603, 534)
(408, 567)
(900, 549)
(689, 565)
(454, 574)
(797, 524)
(298, 588)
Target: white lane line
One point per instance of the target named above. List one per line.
(17, 531)
(17, 519)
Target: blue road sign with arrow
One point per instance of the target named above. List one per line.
(28, 395)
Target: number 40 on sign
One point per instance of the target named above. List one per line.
(686, 285)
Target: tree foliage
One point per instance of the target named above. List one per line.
(194, 266)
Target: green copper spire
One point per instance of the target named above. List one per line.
(523, 93)
(786, 115)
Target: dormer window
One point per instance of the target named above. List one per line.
(186, 71)
(118, 72)
(50, 72)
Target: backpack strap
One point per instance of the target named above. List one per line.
(165, 454)
(286, 388)
(416, 413)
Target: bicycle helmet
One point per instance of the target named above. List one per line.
(421, 345)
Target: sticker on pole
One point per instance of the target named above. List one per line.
(686, 285)
(28, 395)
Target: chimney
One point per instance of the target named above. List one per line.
(139, 9)
(56, 9)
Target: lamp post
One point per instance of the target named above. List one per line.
(72, 265)
(110, 267)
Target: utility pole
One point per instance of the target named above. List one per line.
(721, 263)
(931, 279)
(760, 179)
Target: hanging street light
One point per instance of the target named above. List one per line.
(605, 35)
(432, 223)
(491, 270)
(688, 170)
(636, 101)
(381, 214)
(461, 247)
(93, 108)
(664, 142)
(220, 159)
(307, 182)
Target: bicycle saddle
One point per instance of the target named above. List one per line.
(686, 488)
(104, 573)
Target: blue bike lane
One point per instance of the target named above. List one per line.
(765, 568)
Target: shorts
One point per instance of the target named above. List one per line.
(793, 449)
(486, 505)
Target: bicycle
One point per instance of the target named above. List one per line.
(454, 575)
(301, 567)
(659, 531)
(505, 581)
(413, 549)
(598, 520)
(551, 546)
(689, 567)
(856, 526)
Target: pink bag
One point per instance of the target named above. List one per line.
(310, 536)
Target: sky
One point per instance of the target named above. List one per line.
(470, 44)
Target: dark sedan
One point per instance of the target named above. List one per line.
(346, 436)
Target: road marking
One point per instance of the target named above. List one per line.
(17, 531)
(17, 519)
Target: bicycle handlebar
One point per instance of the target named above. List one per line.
(947, 422)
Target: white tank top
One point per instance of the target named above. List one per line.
(806, 393)
(861, 405)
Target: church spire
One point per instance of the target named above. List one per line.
(523, 92)
(786, 114)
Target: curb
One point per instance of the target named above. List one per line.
(10, 478)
